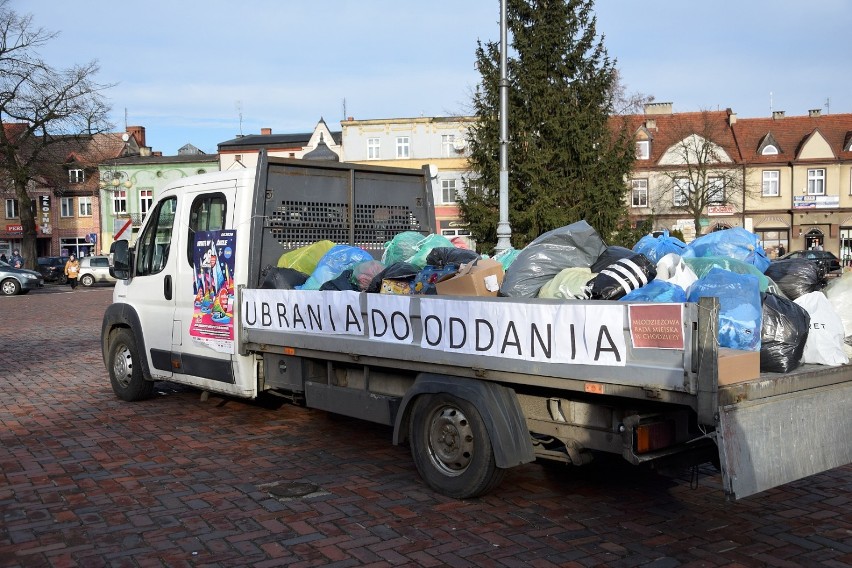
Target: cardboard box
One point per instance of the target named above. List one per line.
(481, 277)
(396, 287)
(737, 366)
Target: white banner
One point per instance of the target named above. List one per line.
(389, 318)
(589, 334)
(570, 333)
(311, 311)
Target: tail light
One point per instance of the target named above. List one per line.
(652, 436)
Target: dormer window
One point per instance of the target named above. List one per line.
(76, 176)
(768, 146)
(643, 149)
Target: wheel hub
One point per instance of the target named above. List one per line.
(451, 441)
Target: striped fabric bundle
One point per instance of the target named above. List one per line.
(621, 277)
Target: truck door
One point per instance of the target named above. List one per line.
(203, 338)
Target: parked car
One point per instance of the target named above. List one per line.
(52, 268)
(827, 260)
(18, 280)
(94, 269)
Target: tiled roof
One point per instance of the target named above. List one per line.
(790, 132)
(668, 129)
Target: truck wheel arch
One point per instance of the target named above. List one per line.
(498, 406)
(119, 315)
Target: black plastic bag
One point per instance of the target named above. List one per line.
(342, 282)
(575, 245)
(442, 256)
(796, 276)
(783, 334)
(282, 278)
(609, 256)
(396, 271)
(621, 277)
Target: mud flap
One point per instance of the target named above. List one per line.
(773, 441)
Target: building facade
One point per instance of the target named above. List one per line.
(439, 143)
(787, 179)
(130, 186)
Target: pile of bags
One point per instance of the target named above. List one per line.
(779, 309)
(411, 264)
(782, 309)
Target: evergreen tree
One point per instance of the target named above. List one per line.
(568, 160)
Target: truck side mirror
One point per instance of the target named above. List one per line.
(120, 253)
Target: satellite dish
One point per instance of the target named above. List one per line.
(459, 144)
(125, 136)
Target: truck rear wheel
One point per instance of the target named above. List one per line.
(125, 368)
(451, 447)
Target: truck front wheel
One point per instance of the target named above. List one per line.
(125, 368)
(451, 447)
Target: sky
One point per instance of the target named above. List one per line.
(203, 72)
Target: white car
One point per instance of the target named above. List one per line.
(94, 269)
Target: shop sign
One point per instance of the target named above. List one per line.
(716, 210)
(816, 201)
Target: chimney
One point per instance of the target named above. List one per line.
(776, 114)
(814, 112)
(137, 132)
(732, 118)
(265, 131)
(658, 108)
(158, 153)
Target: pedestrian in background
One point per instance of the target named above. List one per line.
(17, 261)
(72, 269)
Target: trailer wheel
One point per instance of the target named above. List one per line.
(125, 368)
(451, 447)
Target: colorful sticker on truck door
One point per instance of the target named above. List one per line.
(213, 308)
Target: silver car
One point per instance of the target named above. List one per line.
(94, 269)
(18, 280)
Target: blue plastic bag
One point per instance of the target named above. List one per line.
(656, 248)
(740, 310)
(734, 243)
(656, 291)
(424, 282)
(333, 263)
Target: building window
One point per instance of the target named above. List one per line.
(84, 206)
(146, 200)
(76, 176)
(771, 180)
(643, 150)
(640, 193)
(403, 149)
(12, 209)
(447, 149)
(119, 201)
(66, 207)
(682, 191)
(448, 191)
(816, 182)
(715, 191)
(772, 241)
(373, 148)
(769, 150)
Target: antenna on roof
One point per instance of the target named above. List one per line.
(344, 108)
(770, 103)
(239, 106)
(125, 118)
(828, 105)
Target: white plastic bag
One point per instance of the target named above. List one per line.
(825, 339)
(672, 269)
(839, 293)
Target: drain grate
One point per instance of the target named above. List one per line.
(293, 490)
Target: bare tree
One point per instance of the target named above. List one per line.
(40, 107)
(624, 102)
(701, 168)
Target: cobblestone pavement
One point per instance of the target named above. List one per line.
(88, 480)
